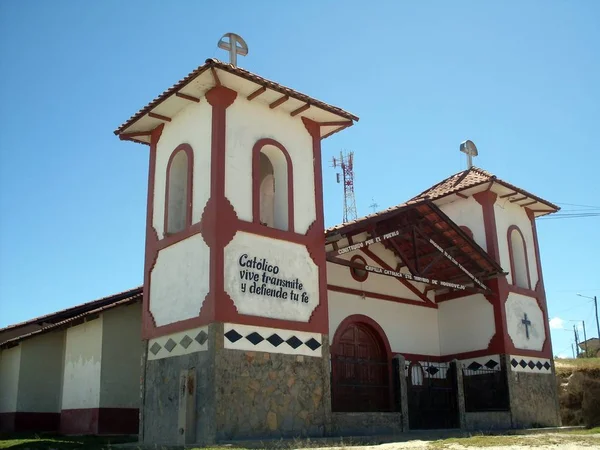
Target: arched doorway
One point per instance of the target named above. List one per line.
(360, 366)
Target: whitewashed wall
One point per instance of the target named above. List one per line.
(466, 324)
(43, 354)
(517, 306)
(338, 275)
(293, 262)
(192, 125)
(121, 352)
(248, 122)
(180, 281)
(467, 212)
(508, 214)
(83, 354)
(409, 329)
(10, 364)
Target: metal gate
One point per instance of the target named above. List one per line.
(432, 402)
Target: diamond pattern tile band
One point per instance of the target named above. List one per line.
(474, 366)
(177, 344)
(272, 340)
(530, 365)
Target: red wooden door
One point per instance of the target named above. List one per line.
(360, 372)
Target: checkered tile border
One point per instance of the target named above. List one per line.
(483, 363)
(177, 344)
(272, 340)
(530, 365)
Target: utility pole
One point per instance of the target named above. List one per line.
(576, 343)
(584, 339)
(596, 308)
(573, 350)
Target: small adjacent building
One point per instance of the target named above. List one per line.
(254, 321)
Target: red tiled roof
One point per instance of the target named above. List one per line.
(470, 178)
(54, 320)
(214, 63)
(451, 185)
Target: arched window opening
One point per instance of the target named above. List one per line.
(272, 186)
(415, 374)
(518, 258)
(178, 201)
(267, 192)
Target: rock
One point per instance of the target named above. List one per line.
(272, 420)
(290, 382)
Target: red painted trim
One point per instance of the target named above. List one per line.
(148, 322)
(187, 97)
(256, 93)
(356, 276)
(511, 256)
(376, 295)
(359, 319)
(406, 283)
(500, 342)
(99, 421)
(446, 358)
(187, 149)
(159, 116)
(29, 421)
(539, 288)
(256, 151)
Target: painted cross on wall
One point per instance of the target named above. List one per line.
(527, 324)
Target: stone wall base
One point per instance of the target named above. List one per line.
(366, 424)
(488, 421)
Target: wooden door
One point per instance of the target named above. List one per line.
(360, 372)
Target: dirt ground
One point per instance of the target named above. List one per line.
(586, 439)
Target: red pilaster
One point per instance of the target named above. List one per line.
(500, 343)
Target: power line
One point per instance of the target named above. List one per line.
(581, 206)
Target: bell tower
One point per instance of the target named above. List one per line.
(235, 291)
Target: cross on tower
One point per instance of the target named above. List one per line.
(527, 324)
(232, 46)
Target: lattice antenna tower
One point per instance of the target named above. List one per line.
(346, 163)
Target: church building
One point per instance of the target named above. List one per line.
(254, 321)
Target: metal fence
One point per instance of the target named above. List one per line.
(485, 390)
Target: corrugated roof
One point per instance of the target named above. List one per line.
(214, 63)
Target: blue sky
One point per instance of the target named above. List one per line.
(518, 78)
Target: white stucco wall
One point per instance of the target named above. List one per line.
(10, 363)
(466, 324)
(517, 306)
(83, 355)
(192, 125)
(248, 122)
(508, 214)
(180, 281)
(467, 212)
(293, 262)
(121, 353)
(41, 376)
(409, 329)
(338, 275)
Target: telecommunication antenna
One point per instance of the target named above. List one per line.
(469, 148)
(374, 205)
(346, 163)
(229, 42)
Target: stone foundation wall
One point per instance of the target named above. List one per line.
(533, 399)
(161, 402)
(270, 395)
(487, 421)
(366, 424)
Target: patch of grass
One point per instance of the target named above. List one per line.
(595, 430)
(28, 441)
(568, 365)
(534, 440)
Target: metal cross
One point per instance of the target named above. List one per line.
(232, 46)
(527, 324)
